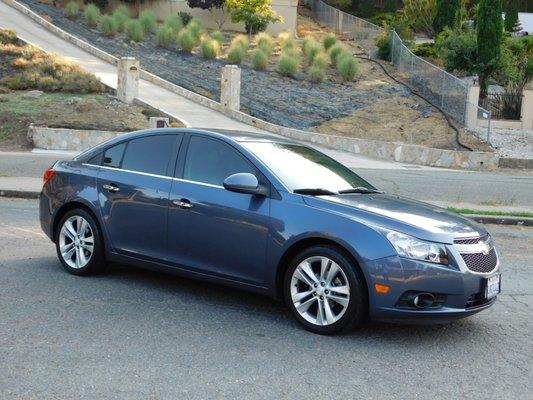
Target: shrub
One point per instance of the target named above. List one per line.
(265, 42)
(121, 15)
(236, 54)
(20, 63)
(92, 14)
(426, 50)
(255, 25)
(288, 64)
(329, 40)
(174, 21)
(311, 48)
(321, 60)
(446, 14)
(108, 25)
(335, 52)
(218, 36)
(317, 73)
(165, 36)
(72, 9)
(259, 59)
(185, 17)
(8, 36)
(458, 50)
(384, 46)
(209, 47)
(186, 40)
(147, 20)
(288, 45)
(195, 27)
(256, 14)
(421, 14)
(134, 30)
(347, 67)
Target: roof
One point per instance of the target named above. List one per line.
(247, 136)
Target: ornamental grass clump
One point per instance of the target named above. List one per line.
(209, 47)
(147, 20)
(329, 40)
(242, 41)
(321, 60)
(317, 73)
(174, 21)
(134, 30)
(218, 36)
(92, 15)
(186, 40)
(165, 36)
(238, 48)
(108, 25)
(288, 64)
(121, 15)
(265, 42)
(195, 27)
(335, 53)
(259, 59)
(72, 9)
(310, 49)
(347, 67)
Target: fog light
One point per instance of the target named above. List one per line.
(381, 289)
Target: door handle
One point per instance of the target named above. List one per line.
(111, 187)
(182, 203)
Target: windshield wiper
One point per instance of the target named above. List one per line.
(359, 189)
(314, 192)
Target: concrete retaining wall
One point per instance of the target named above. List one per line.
(386, 150)
(67, 139)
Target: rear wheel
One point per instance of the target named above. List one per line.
(325, 291)
(78, 243)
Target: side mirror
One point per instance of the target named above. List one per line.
(244, 183)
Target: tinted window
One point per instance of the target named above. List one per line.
(300, 167)
(113, 155)
(211, 161)
(149, 154)
(95, 160)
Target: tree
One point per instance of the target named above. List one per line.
(256, 14)
(447, 14)
(510, 7)
(421, 14)
(209, 5)
(489, 40)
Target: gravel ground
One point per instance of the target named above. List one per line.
(289, 102)
(512, 143)
(132, 334)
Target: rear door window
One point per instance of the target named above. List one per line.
(150, 154)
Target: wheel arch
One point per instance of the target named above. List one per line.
(72, 205)
(303, 244)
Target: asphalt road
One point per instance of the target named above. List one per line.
(133, 334)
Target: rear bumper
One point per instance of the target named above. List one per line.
(462, 292)
(45, 213)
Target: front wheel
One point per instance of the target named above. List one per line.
(325, 291)
(78, 243)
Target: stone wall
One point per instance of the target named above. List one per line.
(211, 19)
(67, 139)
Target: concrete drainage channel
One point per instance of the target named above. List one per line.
(399, 152)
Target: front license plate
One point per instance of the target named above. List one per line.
(493, 286)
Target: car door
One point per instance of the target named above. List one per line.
(211, 229)
(134, 185)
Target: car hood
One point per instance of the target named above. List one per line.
(411, 217)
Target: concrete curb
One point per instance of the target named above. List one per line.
(399, 152)
(483, 219)
(19, 194)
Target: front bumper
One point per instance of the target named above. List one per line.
(461, 291)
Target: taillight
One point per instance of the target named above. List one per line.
(48, 174)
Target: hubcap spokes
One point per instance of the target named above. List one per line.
(320, 290)
(76, 242)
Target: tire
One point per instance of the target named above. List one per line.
(74, 248)
(344, 293)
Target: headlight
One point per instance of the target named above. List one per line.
(410, 247)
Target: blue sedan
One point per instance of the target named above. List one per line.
(271, 216)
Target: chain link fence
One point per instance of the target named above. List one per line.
(442, 89)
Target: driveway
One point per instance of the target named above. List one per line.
(132, 334)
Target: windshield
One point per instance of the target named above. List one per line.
(300, 167)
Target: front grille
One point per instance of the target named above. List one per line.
(470, 240)
(479, 262)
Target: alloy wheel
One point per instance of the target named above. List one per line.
(320, 290)
(76, 242)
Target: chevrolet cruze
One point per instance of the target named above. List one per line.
(271, 216)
